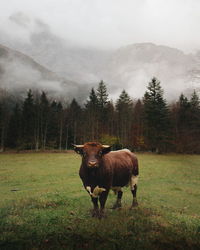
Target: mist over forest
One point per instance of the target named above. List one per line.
(40, 122)
(59, 70)
(40, 59)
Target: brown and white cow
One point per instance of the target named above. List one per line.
(103, 169)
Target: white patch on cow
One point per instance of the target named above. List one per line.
(88, 188)
(134, 181)
(126, 150)
(96, 192)
(116, 189)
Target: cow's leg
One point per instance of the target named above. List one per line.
(95, 211)
(102, 199)
(118, 203)
(134, 203)
(133, 183)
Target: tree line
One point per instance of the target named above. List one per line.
(39, 122)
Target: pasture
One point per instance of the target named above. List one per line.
(44, 206)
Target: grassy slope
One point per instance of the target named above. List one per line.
(50, 209)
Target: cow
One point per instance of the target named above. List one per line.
(102, 169)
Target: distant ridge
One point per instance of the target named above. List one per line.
(130, 67)
(19, 72)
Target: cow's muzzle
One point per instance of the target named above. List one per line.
(92, 164)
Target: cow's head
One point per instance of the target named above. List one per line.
(92, 153)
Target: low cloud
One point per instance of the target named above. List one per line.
(111, 23)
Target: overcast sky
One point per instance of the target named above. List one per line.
(113, 23)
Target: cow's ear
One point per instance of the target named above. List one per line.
(106, 149)
(78, 149)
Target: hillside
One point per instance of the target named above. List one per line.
(19, 72)
(130, 67)
(133, 66)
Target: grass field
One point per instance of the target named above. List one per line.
(44, 206)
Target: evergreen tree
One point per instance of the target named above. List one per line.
(60, 124)
(92, 117)
(124, 102)
(183, 124)
(92, 103)
(37, 133)
(180, 116)
(156, 117)
(124, 107)
(75, 122)
(184, 106)
(194, 120)
(15, 128)
(53, 125)
(194, 101)
(5, 111)
(138, 126)
(56, 125)
(102, 95)
(44, 118)
(110, 118)
(28, 121)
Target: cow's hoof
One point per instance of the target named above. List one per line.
(102, 215)
(134, 205)
(95, 213)
(116, 206)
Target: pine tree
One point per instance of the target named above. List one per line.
(183, 124)
(92, 102)
(75, 122)
(194, 101)
(156, 117)
(124, 107)
(102, 95)
(60, 120)
(194, 120)
(184, 105)
(92, 117)
(124, 102)
(15, 128)
(44, 118)
(28, 121)
(56, 125)
(138, 126)
(53, 125)
(110, 118)
(5, 112)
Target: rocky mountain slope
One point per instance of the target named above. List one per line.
(19, 72)
(130, 67)
(133, 66)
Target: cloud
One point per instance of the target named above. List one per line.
(114, 23)
(21, 19)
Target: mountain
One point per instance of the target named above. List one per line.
(133, 66)
(58, 55)
(19, 72)
(77, 69)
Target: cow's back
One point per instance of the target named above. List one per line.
(124, 165)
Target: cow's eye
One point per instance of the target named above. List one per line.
(100, 153)
(84, 154)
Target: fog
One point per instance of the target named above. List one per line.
(110, 23)
(79, 43)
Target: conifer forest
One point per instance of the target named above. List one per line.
(40, 122)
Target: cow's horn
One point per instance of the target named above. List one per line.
(77, 146)
(105, 146)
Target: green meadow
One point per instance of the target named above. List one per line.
(44, 206)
